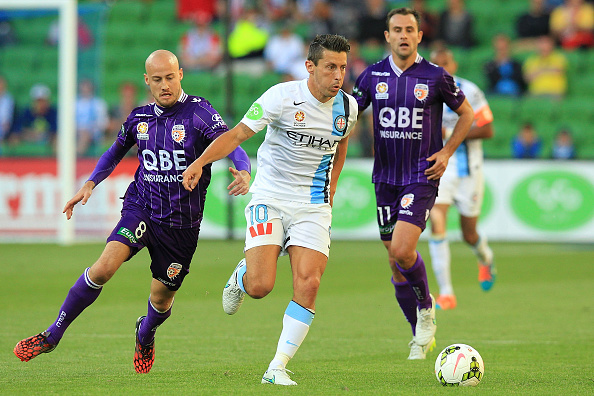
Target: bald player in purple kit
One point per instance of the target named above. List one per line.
(158, 213)
(407, 95)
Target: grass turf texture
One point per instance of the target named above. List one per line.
(534, 329)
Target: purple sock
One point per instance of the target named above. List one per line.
(417, 279)
(408, 302)
(149, 325)
(82, 294)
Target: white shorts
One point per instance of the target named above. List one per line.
(466, 193)
(272, 221)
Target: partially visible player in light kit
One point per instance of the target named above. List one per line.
(461, 185)
(158, 213)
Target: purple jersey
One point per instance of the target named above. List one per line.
(168, 140)
(407, 110)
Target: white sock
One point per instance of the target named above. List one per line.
(482, 250)
(296, 324)
(439, 248)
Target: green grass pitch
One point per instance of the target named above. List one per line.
(534, 329)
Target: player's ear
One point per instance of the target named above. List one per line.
(420, 36)
(181, 74)
(146, 80)
(309, 65)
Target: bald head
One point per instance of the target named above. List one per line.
(159, 58)
(163, 76)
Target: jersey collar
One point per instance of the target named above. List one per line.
(160, 110)
(399, 71)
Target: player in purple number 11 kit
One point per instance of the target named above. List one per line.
(158, 213)
(407, 94)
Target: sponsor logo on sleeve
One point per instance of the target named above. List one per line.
(255, 112)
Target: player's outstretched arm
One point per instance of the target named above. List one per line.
(442, 157)
(82, 195)
(220, 148)
(241, 182)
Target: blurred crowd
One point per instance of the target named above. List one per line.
(271, 36)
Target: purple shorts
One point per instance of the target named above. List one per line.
(171, 249)
(410, 203)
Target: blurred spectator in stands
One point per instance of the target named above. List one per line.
(532, 24)
(372, 23)
(39, 121)
(91, 120)
(429, 23)
(526, 144)
(355, 66)
(119, 112)
(247, 42)
(345, 16)
(7, 35)
(6, 110)
(284, 49)
(277, 10)
(572, 24)
(200, 47)
(320, 18)
(456, 25)
(546, 71)
(85, 37)
(563, 147)
(503, 72)
(187, 9)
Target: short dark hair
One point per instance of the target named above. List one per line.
(403, 11)
(330, 42)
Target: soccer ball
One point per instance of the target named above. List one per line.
(459, 364)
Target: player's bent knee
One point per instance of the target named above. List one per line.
(256, 289)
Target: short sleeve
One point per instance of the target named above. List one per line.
(208, 121)
(361, 90)
(451, 94)
(264, 110)
(126, 134)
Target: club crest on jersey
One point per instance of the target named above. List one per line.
(142, 129)
(421, 91)
(340, 123)
(407, 200)
(381, 90)
(299, 119)
(178, 133)
(173, 270)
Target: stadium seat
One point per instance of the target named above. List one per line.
(161, 12)
(546, 109)
(129, 11)
(503, 107)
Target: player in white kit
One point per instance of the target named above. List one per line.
(299, 162)
(461, 185)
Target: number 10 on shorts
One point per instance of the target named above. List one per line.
(259, 220)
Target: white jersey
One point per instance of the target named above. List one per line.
(469, 155)
(295, 160)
